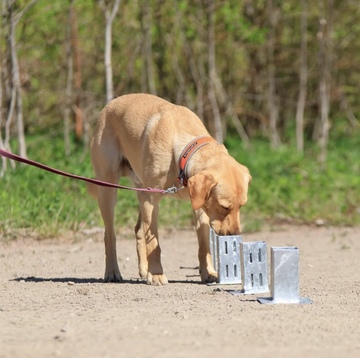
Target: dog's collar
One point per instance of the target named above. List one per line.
(187, 153)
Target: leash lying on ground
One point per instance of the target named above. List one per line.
(17, 158)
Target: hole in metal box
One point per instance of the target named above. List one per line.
(260, 279)
(252, 280)
(251, 258)
(226, 247)
(235, 271)
(234, 246)
(259, 255)
(227, 270)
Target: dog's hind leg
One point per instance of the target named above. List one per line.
(107, 167)
(147, 240)
(207, 271)
(107, 201)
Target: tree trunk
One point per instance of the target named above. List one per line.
(76, 72)
(16, 106)
(271, 92)
(109, 19)
(3, 159)
(325, 53)
(303, 80)
(69, 83)
(148, 70)
(219, 136)
(15, 77)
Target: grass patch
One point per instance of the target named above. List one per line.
(291, 186)
(285, 185)
(37, 200)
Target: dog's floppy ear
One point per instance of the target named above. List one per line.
(200, 186)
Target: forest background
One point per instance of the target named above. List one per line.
(276, 81)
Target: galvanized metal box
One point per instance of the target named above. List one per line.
(254, 267)
(285, 274)
(285, 277)
(225, 251)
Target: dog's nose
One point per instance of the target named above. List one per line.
(225, 230)
(235, 231)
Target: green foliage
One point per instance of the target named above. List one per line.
(289, 186)
(179, 55)
(32, 198)
(235, 23)
(37, 200)
(285, 185)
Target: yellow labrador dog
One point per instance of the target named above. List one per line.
(159, 145)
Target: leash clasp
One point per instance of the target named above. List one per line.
(172, 190)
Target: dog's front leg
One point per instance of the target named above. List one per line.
(147, 245)
(141, 247)
(207, 271)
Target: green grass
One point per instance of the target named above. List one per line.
(37, 200)
(285, 185)
(294, 187)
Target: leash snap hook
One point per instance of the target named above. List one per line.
(172, 190)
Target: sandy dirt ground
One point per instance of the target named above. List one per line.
(53, 302)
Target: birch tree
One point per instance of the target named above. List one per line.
(302, 80)
(148, 75)
(273, 16)
(7, 95)
(325, 53)
(69, 83)
(75, 51)
(16, 104)
(3, 159)
(219, 136)
(110, 13)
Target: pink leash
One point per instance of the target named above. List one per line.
(17, 158)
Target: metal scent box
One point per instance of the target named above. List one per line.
(284, 276)
(254, 267)
(225, 252)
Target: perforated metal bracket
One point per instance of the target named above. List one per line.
(254, 267)
(284, 277)
(225, 252)
(229, 259)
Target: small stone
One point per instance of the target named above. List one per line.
(319, 222)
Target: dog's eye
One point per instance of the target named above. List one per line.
(226, 208)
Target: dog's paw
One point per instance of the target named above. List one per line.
(113, 276)
(208, 277)
(143, 271)
(156, 280)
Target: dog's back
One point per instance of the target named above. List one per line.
(135, 130)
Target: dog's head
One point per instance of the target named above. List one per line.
(221, 191)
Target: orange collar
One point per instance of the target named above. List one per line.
(187, 153)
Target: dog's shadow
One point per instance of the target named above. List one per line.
(77, 280)
(68, 280)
